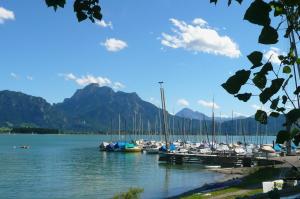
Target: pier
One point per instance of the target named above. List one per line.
(223, 160)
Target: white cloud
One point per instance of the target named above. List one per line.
(257, 107)
(6, 15)
(89, 79)
(273, 54)
(199, 37)
(69, 76)
(114, 45)
(14, 75)
(224, 116)
(154, 101)
(29, 78)
(208, 104)
(199, 22)
(104, 24)
(237, 114)
(118, 86)
(183, 102)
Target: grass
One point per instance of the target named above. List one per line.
(233, 190)
(132, 193)
(248, 187)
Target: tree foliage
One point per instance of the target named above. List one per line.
(269, 80)
(84, 9)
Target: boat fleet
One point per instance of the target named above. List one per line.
(203, 147)
(209, 150)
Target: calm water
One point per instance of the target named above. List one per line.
(70, 166)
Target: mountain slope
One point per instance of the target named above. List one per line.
(95, 107)
(190, 114)
(19, 109)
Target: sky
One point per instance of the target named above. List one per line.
(192, 46)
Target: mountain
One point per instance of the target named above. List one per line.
(18, 109)
(94, 108)
(190, 114)
(196, 115)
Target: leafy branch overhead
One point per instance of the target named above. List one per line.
(271, 82)
(84, 9)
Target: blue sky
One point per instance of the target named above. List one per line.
(193, 46)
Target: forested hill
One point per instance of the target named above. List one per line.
(95, 108)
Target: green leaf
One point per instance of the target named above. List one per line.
(284, 99)
(294, 132)
(266, 68)
(255, 58)
(296, 139)
(55, 3)
(293, 115)
(244, 97)
(258, 13)
(81, 16)
(281, 109)
(261, 116)
(260, 81)
(298, 61)
(235, 82)
(268, 35)
(267, 93)
(274, 114)
(297, 91)
(278, 8)
(87, 9)
(282, 136)
(274, 103)
(286, 70)
(214, 1)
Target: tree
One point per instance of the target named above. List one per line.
(84, 9)
(272, 81)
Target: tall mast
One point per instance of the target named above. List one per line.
(119, 127)
(213, 122)
(163, 103)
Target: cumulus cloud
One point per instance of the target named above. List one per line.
(199, 22)
(104, 24)
(14, 75)
(114, 45)
(199, 37)
(183, 102)
(89, 79)
(6, 15)
(208, 104)
(273, 54)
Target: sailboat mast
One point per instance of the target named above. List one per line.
(213, 122)
(163, 103)
(119, 127)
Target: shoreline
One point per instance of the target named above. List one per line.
(235, 176)
(232, 177)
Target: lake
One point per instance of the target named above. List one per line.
(71, 166)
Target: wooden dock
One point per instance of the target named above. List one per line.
(223, 160)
